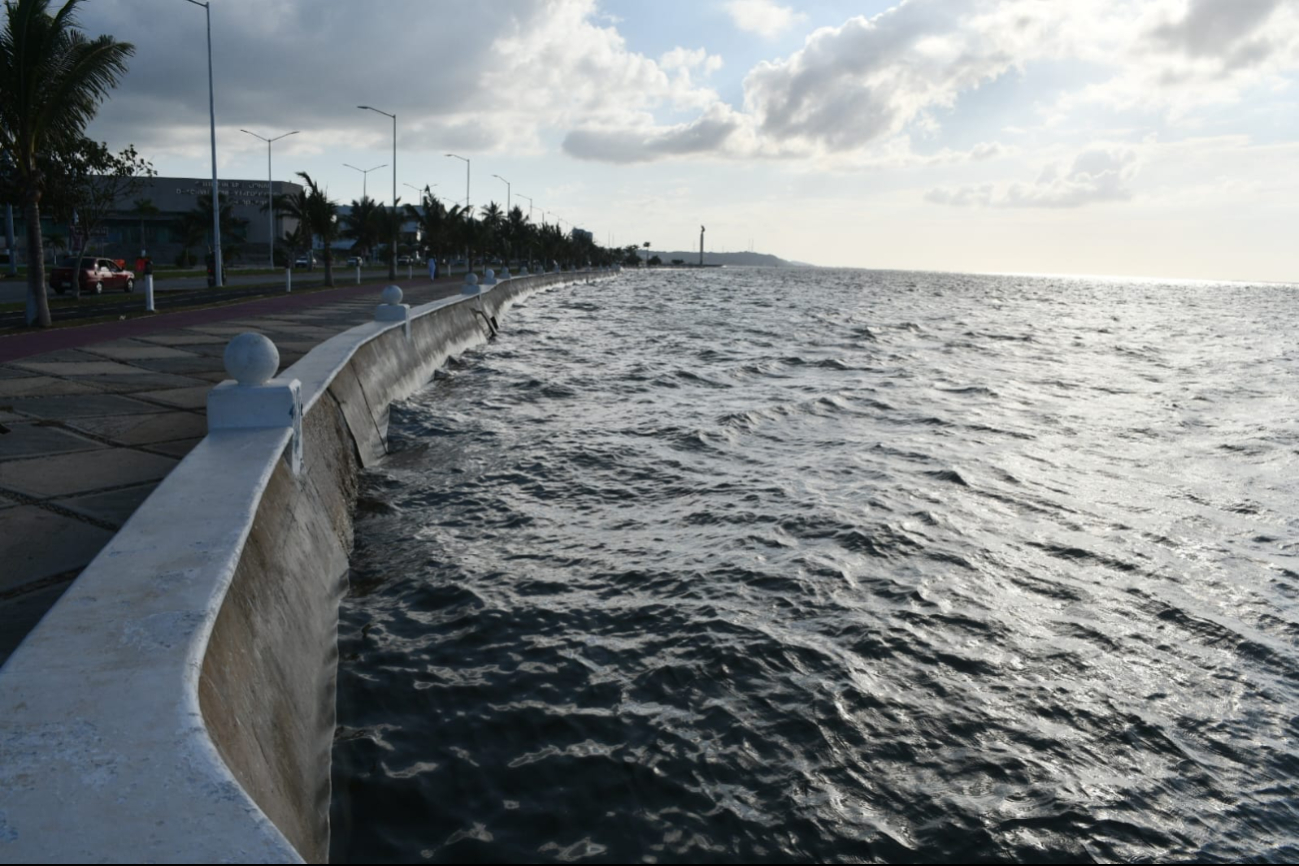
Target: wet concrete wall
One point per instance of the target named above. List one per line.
(268, 679)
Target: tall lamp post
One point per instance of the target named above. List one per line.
(396, 226)
(270, 197)
(469, 214)
(466, 162)
(365, 175)
(507, 191)
(211, 105)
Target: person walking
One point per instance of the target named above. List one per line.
(432, 267)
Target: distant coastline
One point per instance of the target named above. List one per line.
(758, 260)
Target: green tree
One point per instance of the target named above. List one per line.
(519, 232)
(296, 240)
(491, 227)
(390, 222)
(431, 221)
(234, 230)
(364, 226)
(92, 192)
(314, 209)
(52, 80)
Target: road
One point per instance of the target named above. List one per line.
(14, 289)
(182, 292)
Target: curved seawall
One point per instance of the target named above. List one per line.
(177, 704)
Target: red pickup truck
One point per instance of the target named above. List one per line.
(94, 275)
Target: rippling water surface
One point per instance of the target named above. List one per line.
(755, 565)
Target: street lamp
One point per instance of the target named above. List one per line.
(529, 198)
(507, 191)
(211, 106)
(270, 198)
(365, 175)
(426, 188)
(466, 162)
(392, 259)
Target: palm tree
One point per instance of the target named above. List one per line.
(517, 230)
(52, 79)
(364, 226)
(294, 240)
(430, 219)
(391, 222)
(199, 222)
(492, 223)
(314, 209)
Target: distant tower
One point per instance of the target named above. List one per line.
(701, 246)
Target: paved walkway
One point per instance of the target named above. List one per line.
(92, 418)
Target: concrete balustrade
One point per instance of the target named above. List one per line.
(392, 309)
(254, 400)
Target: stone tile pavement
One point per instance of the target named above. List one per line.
(89, 427)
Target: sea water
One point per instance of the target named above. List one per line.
(828, 565)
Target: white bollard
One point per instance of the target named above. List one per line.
(392, 309)
(358, 273)
(489, 277)
(288, 279)
(410, 271)
(148, 293)
(471, 285)
(255, 400)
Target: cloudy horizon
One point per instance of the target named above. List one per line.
(1155, 138)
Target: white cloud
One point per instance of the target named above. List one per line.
(852, 90)
(853, 96)
(544, 65)
(711, 133)
(1178, 56)
(1101, 173)
(763, 17)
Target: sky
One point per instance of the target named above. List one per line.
(1154, 138)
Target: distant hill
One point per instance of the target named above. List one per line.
(759, 260)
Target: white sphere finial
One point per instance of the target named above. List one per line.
(251, 359)
(471, 278)
(391, 295)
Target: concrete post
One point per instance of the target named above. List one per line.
(255, 400)
(392, 309)
(358, 273)
(148, 293)
(489, 277)
(288, 279)
(471, 286)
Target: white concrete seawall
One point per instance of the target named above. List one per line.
(177, 704)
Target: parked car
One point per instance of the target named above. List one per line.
(404, 260)
(92, 275)
(304, 262)
(353, 261)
